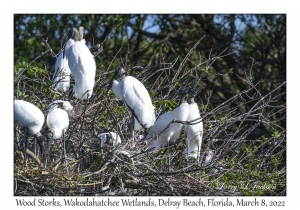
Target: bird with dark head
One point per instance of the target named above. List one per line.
(62, 72)
(119, 74)
(58, 123)
(194, 130)
(74, 34)
(32, 118)
(136, 98)
(165, 135)
(81, 64)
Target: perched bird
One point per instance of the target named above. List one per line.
(172, 133)
(62, 72)
(61, 76)
(194, 131)
(110, 138)
(82, 65)
(137, 99)
(58, 123)
(32, 118)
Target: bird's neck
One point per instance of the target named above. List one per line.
(120, 77)
(116, 88)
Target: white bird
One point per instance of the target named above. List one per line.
(208, 158)
(58, 123)
(61, 76)
(137, 99)
(62, 72)
(31, 117)
(110, 138)
(193, 132)
(172, 133)
(82, 66)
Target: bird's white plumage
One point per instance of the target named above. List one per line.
(62, 72)
(193, 133)
(61, 76)
(83, 68)
(28, 115)
(116, 139)
(173, 132)
(135, 95)
(57, 121)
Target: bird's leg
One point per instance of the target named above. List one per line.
(16, 140)
(187, 157)
(48, 151)
(65, 154)
(71, 94)
(169, 157)
(47, 155)
(198, 157)
(24, 146)
(36, 147)
(132, 133)
(80, 105)
(24, 143)
(38, 144)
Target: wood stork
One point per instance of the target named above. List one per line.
(110, 138)
(62, 72)
(137, 99)
(172, 133)
(32, 118)
(193, 132)
(82, 66)
(58, 123)
(61, 76)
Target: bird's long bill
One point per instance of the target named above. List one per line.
(110, 85)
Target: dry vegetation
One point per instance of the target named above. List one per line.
(243, 164)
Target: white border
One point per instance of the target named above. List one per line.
(154, 7)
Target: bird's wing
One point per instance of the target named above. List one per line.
(160, 124)
(80, 60)
(137, 98)
(86, 59)
(28, 115)
(140, 91)
(58, 120)
(57, 67)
